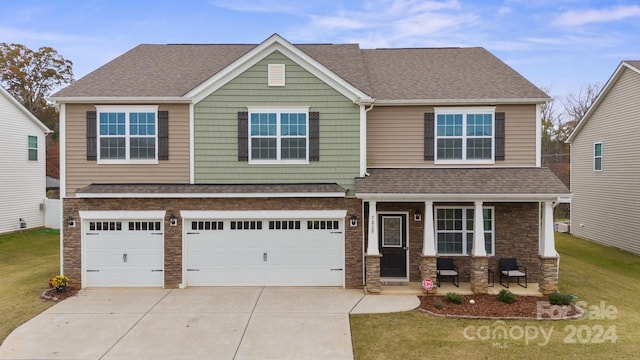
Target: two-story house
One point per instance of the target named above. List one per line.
(22, 166)
(318, 165)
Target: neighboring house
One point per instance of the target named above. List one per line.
(605, 171)
(22, 166)
(282, 164)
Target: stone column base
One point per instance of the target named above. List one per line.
(480, 274)
(548, 267)
(428, 270)
(372, 274)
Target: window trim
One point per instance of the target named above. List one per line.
(464, 111)
(595, 157)
(464, 229)
(127, 109)
(278, 110)
(29, 148)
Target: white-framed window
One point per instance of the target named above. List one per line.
(597, 156)
(454, 230)
(32, 148)
(127, 134)
(279, 135)
(464, 135)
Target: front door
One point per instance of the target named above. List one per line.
(393, 245)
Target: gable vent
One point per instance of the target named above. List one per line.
(276, 74)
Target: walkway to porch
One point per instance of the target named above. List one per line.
(415, 288)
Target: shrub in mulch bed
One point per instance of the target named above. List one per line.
(527, 307)
(53, 295)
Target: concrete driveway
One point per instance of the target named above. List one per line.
(199, 323)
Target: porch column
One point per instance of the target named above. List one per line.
(547, 247)
(372, 245)
(372, 258)
(428, 239)
(478, 231)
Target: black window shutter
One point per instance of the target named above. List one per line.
(314, 136)
(428, 136)
(92, 146)
(163, 135)
(243, 134)
(500, 122)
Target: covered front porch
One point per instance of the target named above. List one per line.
(475, 217)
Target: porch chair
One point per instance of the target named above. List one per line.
(509, 268)
(445, 267)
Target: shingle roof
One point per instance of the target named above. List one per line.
(634, 63)
(185, 189)
(384, 74)
(461, 181)
(444, 73)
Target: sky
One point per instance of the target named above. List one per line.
(559, 45)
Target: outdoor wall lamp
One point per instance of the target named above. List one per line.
(172, 220)
(417, 215)
(353, 221)
(71, 221)
(23, 224)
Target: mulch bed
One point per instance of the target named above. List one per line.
(53, 295)
(487, 306)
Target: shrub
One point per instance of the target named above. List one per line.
(558, 298)
(438, 304)
(506, 296)
(454, 298)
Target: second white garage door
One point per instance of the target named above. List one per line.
(265, 252)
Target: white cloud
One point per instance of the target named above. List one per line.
(581, 17)
(504, 10)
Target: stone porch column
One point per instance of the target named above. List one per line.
(480, 274)
(549, 268)
(372, 259)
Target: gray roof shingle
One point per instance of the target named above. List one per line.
(384, 74)
(461, 181)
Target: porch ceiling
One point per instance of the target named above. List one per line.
(499, 184)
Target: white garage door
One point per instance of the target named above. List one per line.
(124, 253)
(265, 252)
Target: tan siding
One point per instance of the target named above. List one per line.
(395, 136)
(605, 206)
(81, 172)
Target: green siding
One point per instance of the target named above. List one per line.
(216, 133)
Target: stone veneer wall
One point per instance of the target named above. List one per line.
(516, 235)
(173, 234)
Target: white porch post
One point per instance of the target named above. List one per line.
(478, 231)
(372, 246)
(428, 239)
(547, 243)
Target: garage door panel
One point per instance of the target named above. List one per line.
(281, 252)
(129, 253)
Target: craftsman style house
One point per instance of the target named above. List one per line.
(604, 164)
(306, 165)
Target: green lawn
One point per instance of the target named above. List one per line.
(604, 278)
(27, 261)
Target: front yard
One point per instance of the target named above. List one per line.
(27, 261)
(606, 280)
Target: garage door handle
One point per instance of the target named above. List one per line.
(157, 234)
(93, 270)
(193, 269)
(336, 269)
(156, 270)
(93, 234)
(336, 232)
(193, 233)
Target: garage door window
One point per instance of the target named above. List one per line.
(284, 225)
(144, 225)
(207, 225)
(246, 225)
(105, 226)
(323, 225)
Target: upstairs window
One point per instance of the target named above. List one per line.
(597, 156)
(127, 134)
(32, 148)
(464, 135)
(278, 135)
